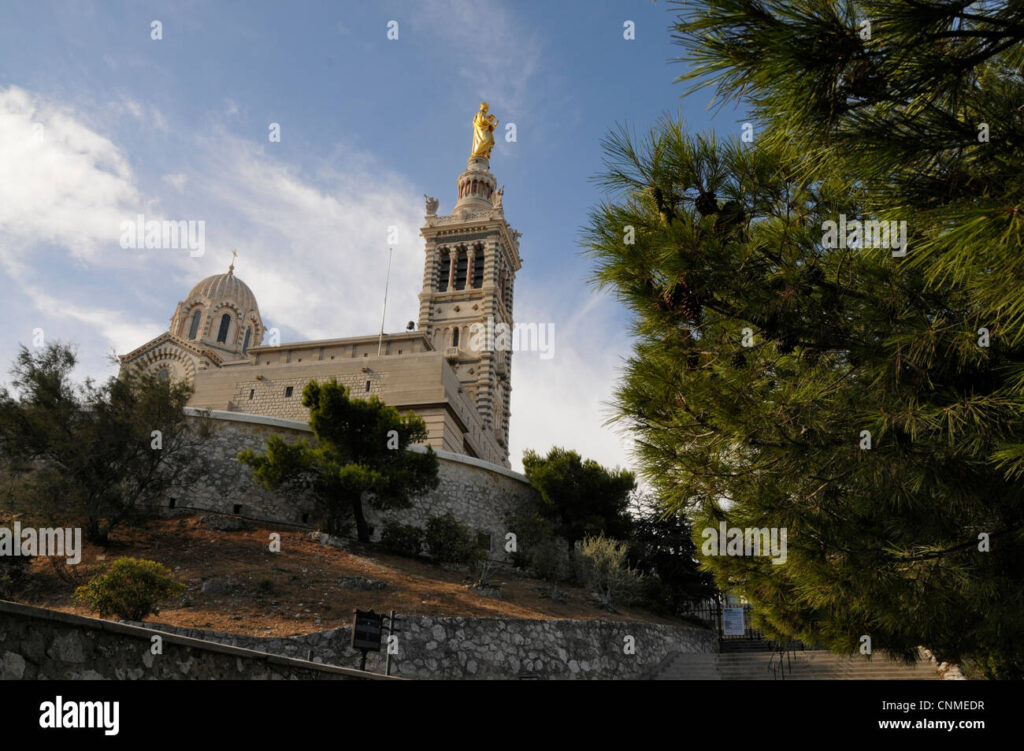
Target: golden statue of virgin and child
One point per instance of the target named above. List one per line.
(483, 133)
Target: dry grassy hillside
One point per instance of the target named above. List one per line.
(301, 589)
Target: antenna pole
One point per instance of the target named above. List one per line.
(387, 278)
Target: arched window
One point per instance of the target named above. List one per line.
(444, 271)
(164, 374)
(225, 322)
(478, 268)
(461, 267)
(194, 329)
(245, 344)
(455, 338)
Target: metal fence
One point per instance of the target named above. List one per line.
(712, 613)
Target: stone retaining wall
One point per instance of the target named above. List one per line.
(478, 493)
(36, 643)
(495, 648)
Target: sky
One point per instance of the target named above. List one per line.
(101, 122)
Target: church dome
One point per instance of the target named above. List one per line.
(220, 314)
(225, 287)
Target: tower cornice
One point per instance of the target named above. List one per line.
(441, 227)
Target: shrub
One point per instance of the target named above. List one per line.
(129, 589)
(548, 559)
(602, 568)
(450, 541)
(539, 552)
(578, 496)
(484, 575)
(13, 570)
(402, 539)
(530, 529)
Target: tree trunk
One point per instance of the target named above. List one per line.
(362, 530)
(96, 533)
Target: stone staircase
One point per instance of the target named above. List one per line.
(801, 665)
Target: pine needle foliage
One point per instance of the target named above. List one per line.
(845, 394)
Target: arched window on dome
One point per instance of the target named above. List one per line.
(225, 323)
(194, 329)
(245, 344)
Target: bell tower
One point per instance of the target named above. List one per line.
(472, 256)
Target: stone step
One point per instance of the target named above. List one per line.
(800, 665)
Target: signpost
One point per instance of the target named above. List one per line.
(367, 630)
(732, 622)
(367, 627)
(387, 654)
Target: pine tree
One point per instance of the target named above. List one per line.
(578, 497)
(360, 452)
(867, 402)
(94, 455)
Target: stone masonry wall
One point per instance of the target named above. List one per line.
(272, 399)
(37, 644)
(478, 493)
(493, 648)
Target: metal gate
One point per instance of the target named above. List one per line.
(712, 613)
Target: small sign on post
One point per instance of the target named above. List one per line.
(367, 627)
(733, 622)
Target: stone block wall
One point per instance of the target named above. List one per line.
(496, 648)
(37, 644)
(478, 493)
(270, 397)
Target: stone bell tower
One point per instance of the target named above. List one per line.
(472, 256)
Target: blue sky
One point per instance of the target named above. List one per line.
(99, 122)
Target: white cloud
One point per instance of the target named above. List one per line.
(62, 182)
(314, 254)
(176, 181)
(566, 401)
(115, 326)
(149, 115)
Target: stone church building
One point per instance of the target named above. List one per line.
(471, 259)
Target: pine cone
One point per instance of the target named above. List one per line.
(692, 360)
(813, 275)
(682, 299)
(784, 346)
(729, 218)
(707, 203)
(862, 80)
(665, 209)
